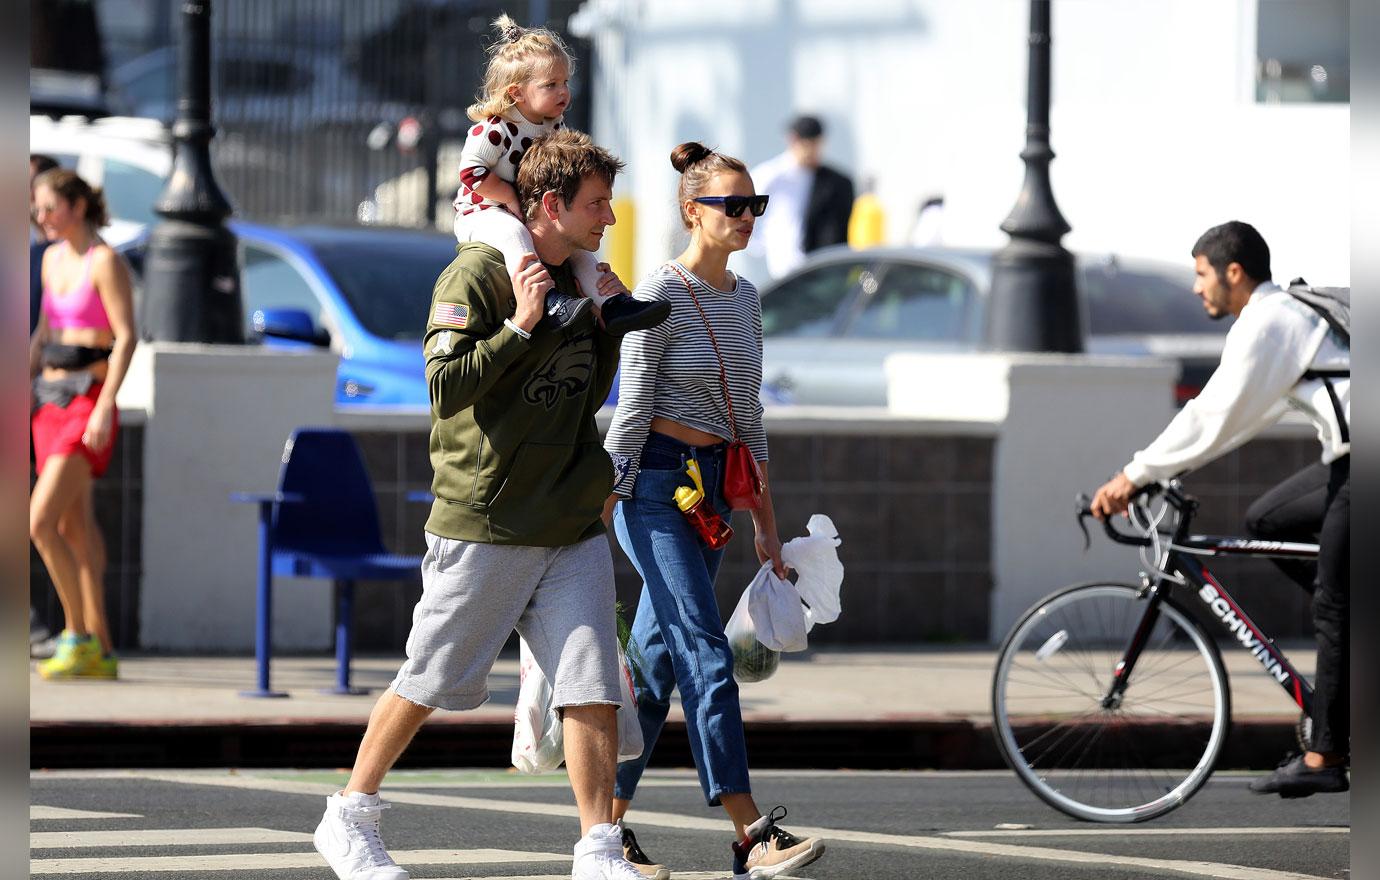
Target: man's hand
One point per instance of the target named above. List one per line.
(609, 283)
(609, 504)
(1114, 496)
(530, 284)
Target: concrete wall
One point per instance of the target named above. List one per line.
(1154, 117)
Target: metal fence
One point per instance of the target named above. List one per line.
(309, 96)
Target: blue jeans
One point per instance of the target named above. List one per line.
(678, 636)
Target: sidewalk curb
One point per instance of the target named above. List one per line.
(895, 743)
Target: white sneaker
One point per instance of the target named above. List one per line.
(599, 856)
(348, 839)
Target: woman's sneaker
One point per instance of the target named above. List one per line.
(74, 657)
(638, 859)
(770, 850)
(599, 856)
(348, 839)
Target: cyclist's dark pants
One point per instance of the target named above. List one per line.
(1313, 504)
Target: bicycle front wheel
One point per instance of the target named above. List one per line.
(1091, 754)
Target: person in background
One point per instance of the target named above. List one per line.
(687, 387)
(78, 356)
(929, 222)
(811, 202)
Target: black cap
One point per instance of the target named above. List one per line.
(807, 128)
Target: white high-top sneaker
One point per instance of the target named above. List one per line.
(599, 856)
(348, 839)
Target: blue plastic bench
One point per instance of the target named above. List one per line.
(323, 522)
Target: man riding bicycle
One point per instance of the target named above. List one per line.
(1281, 354)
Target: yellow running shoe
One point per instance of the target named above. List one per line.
(73, 655)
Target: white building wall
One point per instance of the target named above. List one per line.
(1154, 121)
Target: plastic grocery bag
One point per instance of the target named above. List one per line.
(815, 558)
(752, 660)
(777, 615)
(538, 745)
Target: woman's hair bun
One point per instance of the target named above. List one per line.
(688, 153)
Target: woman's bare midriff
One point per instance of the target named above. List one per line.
(685, 433)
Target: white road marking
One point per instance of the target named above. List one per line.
(276, 861)
(1148, 832)
(670, 820)
(40, 812)
(163, 837)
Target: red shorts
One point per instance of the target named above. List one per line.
(57, 430)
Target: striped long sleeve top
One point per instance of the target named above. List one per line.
(671, 370)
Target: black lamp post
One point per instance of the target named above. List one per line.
(1034, 304)
(192, 278)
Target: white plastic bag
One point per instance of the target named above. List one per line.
(777, 615)
(752, 660)
(815, 558)
(538, 744)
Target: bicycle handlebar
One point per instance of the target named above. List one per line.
(1083, 509)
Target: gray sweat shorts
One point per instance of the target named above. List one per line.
(560, 599)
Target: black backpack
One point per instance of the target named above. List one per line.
(1333, 304)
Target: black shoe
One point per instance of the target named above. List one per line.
(634, 854)
(562, 310)
(623, 314)
(1295, 779)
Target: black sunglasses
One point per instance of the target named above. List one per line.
(734, 205)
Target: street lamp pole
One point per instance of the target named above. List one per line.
(192, 279)
(1034, 304)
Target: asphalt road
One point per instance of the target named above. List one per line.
(881, 826)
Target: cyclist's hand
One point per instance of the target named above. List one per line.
(1114, 497)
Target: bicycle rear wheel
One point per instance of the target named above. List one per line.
(1130, 761)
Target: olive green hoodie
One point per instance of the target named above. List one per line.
(515, 449)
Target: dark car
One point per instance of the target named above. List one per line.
(830, 325)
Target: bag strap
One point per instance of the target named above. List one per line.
(723, 373)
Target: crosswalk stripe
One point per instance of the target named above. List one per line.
(1214, 870)
(37, 812)
(1148, 832)
(163, 837)
(275, 861)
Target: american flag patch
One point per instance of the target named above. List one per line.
(450, 315)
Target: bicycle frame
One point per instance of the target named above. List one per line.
(1181, 559)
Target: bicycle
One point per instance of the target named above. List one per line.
(1104, 692)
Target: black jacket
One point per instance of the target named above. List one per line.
(826, 215)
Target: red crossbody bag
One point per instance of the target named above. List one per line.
(742, 477)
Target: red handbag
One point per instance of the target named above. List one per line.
(743, 482)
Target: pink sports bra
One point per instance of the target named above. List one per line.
(79, 308)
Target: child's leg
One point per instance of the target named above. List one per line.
(588, 276)
(499, 229)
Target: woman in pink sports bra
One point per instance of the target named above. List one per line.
(78, 356)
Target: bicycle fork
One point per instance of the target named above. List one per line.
(1121, 675)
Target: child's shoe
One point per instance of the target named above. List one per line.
(623, 314)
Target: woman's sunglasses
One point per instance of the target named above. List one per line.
(735, 205)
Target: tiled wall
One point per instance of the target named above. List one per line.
(914, 512)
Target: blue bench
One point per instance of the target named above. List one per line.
(323, 522)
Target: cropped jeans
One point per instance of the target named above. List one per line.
(678, 635)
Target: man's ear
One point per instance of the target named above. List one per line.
(551, 204)
(1235, 274)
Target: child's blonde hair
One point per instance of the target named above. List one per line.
(514, 58)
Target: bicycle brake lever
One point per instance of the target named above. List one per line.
(1083, 511)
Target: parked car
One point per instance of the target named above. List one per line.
(362, 291)
(128, 157)
(830, 325)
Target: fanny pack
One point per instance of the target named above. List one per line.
(72, 357)
(61, 391)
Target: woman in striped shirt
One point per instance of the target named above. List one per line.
(672, 410)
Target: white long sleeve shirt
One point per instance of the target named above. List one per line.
(1273, 343)
(780, 236)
